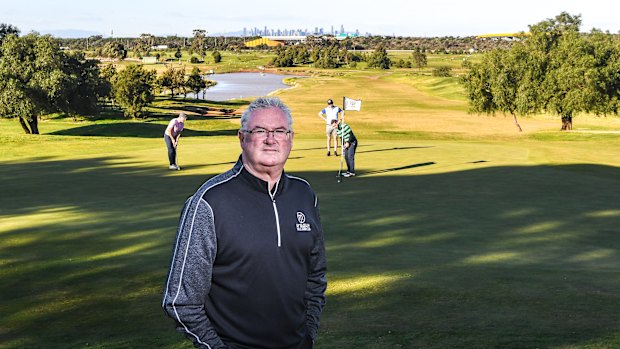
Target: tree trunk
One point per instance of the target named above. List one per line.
(514, 116)
(24, 125)
(34, 125)
(567, 123)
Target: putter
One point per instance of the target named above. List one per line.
(176, 157)
(340, 170)
(341, 158)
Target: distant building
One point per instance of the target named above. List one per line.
(343, 36)
(263, 41)
(159, 47)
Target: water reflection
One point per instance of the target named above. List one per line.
(242, 85)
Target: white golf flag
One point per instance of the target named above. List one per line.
(352, 104)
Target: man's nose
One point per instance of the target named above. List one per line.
(271, 137)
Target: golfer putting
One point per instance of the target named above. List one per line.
(349, 146)
(347, 138)
(171, 137)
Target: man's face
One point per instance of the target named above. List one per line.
(265, 153)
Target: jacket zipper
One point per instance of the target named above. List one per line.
(275, 210)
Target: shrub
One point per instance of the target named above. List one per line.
(443, 71)
(217, 56)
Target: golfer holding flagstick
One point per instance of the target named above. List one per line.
(171, 137)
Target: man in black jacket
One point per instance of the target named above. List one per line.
(248, 269)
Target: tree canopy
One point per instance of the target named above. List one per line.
(133, 89)
(195, 82)
(6, 29)
(557, 70)
(38, 78)
(379, 58)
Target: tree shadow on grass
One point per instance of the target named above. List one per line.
(399, 168)
(135, 129)
(392, 149)
(496, 257)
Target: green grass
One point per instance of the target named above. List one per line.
(231, 61)
(445, 239)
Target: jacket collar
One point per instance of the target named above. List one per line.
(257, 183)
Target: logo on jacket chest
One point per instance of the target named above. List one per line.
(301, 222)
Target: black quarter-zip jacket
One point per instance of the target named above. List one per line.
(248, 269)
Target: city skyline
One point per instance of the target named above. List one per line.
(389, 17)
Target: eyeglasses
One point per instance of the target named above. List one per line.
(261, 133)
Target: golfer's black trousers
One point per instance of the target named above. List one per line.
(349, 156)
(172, 151)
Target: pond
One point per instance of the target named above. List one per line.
(242, 85)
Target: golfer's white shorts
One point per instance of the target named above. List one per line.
(330, 130)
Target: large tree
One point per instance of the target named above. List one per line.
(584, 77)
(37, 78)
(493, 85)
(133, 89)
(81, 86)
(556, 69)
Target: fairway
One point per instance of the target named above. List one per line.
(458, 232)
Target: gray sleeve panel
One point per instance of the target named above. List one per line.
(189, 279)
(317, 281)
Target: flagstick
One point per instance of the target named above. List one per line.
(341, 146)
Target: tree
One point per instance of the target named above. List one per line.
(144, 44)
(557, 70)
(493, 85)
(583, 76)
(419, 59)
(217, 56)
(36, 78)
(115, 50)
(328, 58)
(6, 29)
(80, 91)
(107, 74)
(284, 57)
(199, 42)
(178, 54)
(133, 89)
(302, 55)
(443, 71)
(172, 79)
(379, 58)
(195, 82)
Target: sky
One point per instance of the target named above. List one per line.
(428, 18)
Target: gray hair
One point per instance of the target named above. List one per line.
(265, 103)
